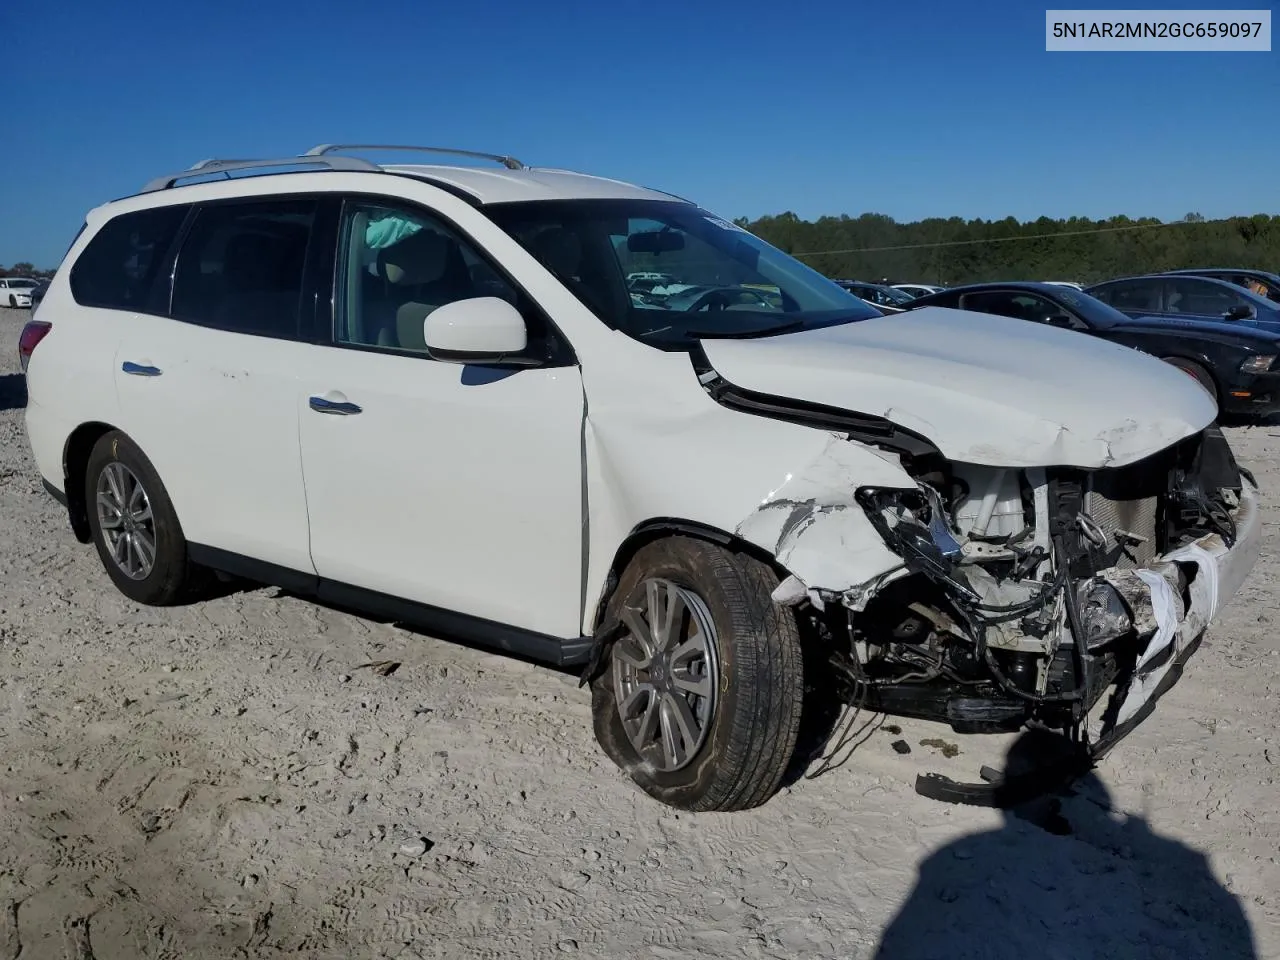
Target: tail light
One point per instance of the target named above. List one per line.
(32, 334)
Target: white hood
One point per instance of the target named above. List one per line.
(984, 389)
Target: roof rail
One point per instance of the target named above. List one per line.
(210, 167)
(511, 163)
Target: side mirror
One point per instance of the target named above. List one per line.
(1241, 311)
(1059, 320)
(477, 330)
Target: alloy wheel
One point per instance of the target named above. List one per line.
(124, 514)
(666, 673)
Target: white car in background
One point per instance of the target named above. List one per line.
(1067, 283)
(426, 391)
(16, 291)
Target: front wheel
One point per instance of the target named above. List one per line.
(700, 700)
(134, 525)
(1196, 372)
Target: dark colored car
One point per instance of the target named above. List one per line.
(38, 293)
(1234, 361)
(1185, 298)
(1240, 277)
(883, 298)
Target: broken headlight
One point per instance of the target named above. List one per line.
(1103, 614)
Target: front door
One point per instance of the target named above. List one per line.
(451, 485)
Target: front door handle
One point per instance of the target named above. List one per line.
(140, 369)
(339, 407)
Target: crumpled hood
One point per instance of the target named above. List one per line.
(984, 389)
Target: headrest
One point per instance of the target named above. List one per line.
(419, 258)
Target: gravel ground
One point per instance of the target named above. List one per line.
(232, 779)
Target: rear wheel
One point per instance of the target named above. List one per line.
(700, 702)
(1196, 372)
(134, 525)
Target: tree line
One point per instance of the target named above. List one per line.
(954, 251)
(25, 269)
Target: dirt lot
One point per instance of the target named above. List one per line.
(230, 780)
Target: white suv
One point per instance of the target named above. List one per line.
(428, 392)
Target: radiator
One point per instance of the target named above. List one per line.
(1137, 517)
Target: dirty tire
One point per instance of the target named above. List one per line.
(753, 728)
(1196, 371)
(172, 577)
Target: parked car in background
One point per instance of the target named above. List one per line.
(16, 291)
(1234, 362)
(1188, 299)
(1066, 283)
(917, 289)
(884, 298)
(38, 293)
(425, 390)
(1263, 283)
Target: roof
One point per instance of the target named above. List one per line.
(1030, 285)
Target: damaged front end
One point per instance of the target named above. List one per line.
(1063, 596)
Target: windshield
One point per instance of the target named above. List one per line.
(15, 284)
(669, 273)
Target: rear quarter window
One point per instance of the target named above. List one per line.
(118, 268)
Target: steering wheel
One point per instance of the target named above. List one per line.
(715, 300)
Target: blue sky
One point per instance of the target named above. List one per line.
(911, 109)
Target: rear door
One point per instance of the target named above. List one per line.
(207, 382)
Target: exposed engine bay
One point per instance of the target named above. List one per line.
(1053, 595)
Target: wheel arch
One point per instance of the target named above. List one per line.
(75, 462)
(1184, 359)
(660, 528)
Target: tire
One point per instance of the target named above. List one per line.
(751, 720)
(1197, 372)
(169, 578)
(13, 301)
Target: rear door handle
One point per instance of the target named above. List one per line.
(140, 369)
(339, 407)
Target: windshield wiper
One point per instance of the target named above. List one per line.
(743, 334)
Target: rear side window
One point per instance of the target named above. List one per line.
(118, 269)
(241, 267)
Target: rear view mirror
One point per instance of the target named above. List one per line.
(476, 330)
(655, 241)
(1241, 311)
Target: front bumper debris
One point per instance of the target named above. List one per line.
(1174, 627)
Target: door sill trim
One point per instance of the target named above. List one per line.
(446, 624)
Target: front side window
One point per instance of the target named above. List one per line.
(1023, 306)
(241, 267)
(398, 264)
(118, 268)
(1200, 297)
(669, 273)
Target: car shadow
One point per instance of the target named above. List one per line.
(13, 391)
(1067, 875)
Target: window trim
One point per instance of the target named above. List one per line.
(301, 332)
(561, 352)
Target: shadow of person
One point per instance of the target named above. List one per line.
(1066, 877)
